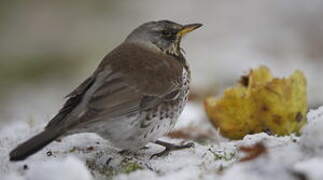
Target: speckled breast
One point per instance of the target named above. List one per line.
(146, 126)
(162, 118)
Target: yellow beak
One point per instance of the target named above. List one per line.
(188, 28)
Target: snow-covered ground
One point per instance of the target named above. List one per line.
(88, 157)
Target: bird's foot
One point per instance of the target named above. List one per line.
(144, 148)
(123, 152)
(170, 147)
(127, 152)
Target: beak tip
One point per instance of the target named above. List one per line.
(193, 26)
(198, 25)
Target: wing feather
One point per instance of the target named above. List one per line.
(129, 79)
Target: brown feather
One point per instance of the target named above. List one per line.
(129, 78)
(153, 73)
(142, 78)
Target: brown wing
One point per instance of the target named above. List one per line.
(128, 79)
(135, 78)
(153, 73)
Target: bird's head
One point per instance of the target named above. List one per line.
(164, 36)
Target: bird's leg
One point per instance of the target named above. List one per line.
(144, 148)
(126, 152)
(170, 147)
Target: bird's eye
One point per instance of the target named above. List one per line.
(167, 33)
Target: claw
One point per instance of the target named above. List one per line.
(124, 152)
(170, 147)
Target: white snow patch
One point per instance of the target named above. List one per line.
(13, 177)
(312, 134)
(69, 168)
(312, 168)
(87, 156)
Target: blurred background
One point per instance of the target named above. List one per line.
(49, 47)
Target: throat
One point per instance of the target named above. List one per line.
(174, 49)
(179, 57)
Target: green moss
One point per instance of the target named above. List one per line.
(126, 166)
(222, 155)
(103, 170)
(131, 167)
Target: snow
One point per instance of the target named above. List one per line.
(312, 135)
(59, 169)
(312, 167)
(89, 157)
(69, 168)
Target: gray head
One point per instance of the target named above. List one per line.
(164, 36)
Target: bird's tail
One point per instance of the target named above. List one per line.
(34, 144)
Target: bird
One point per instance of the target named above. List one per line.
(134, 96)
